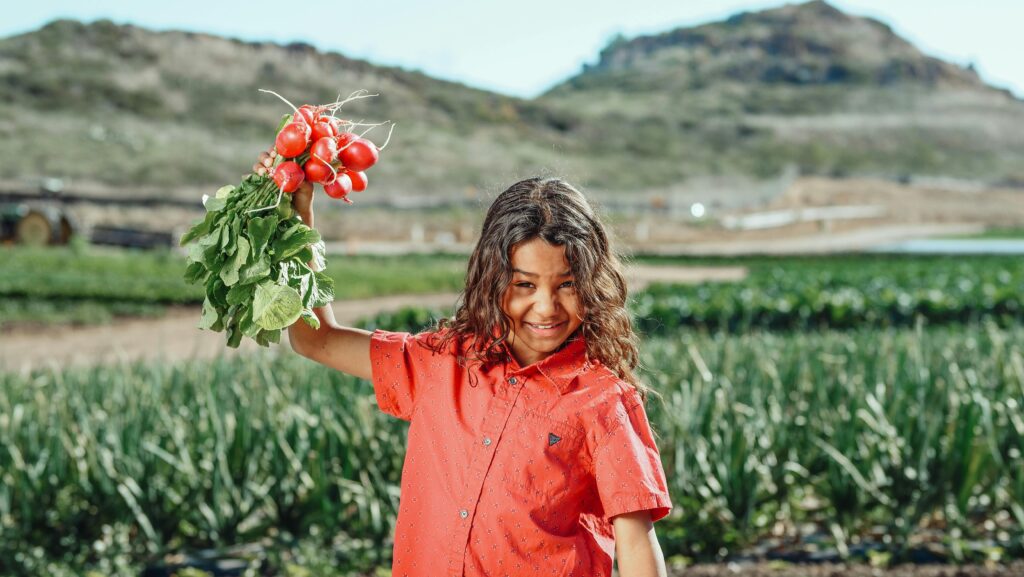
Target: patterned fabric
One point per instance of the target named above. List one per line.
(519, 470)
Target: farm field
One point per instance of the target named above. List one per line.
(783, 444)
(857, 408)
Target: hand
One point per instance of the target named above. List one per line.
(302, 198)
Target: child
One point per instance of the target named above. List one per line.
(529, 450)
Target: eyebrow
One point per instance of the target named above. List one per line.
(566, 273)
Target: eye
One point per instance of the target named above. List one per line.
(524, 284)
(569, 283)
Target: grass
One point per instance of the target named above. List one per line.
(89, 285)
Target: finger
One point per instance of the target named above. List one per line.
(268, 162)
(262, 156)
(260, 170)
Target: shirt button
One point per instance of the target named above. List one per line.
(512, 381)
(463, 513)
(487, 441)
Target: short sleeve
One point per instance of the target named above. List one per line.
(628, 469)
(400, 364)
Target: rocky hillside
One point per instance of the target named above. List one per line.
(127, 106)
(806, 44)
(807, 84)
(803, 85)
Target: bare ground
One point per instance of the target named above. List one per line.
(175, 336)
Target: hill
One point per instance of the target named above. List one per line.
(124, 107)
(833, 93)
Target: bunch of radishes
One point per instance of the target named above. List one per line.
(316, 146)
(253, 261)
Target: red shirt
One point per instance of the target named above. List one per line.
(520, 474)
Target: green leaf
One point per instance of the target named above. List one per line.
(205, 250)
(196, 253)
(216, 203)
(284, 121)
(305, 255)
(224, 191)
(256, 270)
(234, 336)
(321, 291)
(200, 229)
(293, 244)
(296, 226)
(229, 234)
(284, 209)
(229, 274)
(260, 229)
(240, 294)
(264, 337)
(319, 250)
(195, 273)
(248, 326)
(216, 291)
(275, 306)
(311, 318)
(210, 316)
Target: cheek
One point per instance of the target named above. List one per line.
(575, 307)
(508, 304)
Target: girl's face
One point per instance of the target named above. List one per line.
(541, 301)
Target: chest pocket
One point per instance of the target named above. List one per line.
(541, 457)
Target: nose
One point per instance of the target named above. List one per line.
(546, 303)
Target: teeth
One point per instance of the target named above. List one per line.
(544, 326)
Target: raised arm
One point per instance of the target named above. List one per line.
(343, 348)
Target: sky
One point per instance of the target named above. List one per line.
(521, 48)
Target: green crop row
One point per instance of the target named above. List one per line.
(841, 294)
(870, 434)
(790, 293)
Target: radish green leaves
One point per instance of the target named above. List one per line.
(253, 265)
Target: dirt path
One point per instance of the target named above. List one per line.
(175, 336)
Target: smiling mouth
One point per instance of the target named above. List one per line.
(544, 330)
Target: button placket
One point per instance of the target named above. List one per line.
(480, 465)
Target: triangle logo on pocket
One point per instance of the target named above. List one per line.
(553, 438)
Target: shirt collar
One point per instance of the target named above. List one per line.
(561, 368)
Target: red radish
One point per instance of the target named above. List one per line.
(291, 141)
(317, 171)
(324, 149)
(359, 155)
(344, 138)
(324, 127)
(288, 176)
(307, 114)
(359, 180)
(340, 187)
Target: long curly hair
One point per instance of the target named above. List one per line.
(551, 209)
